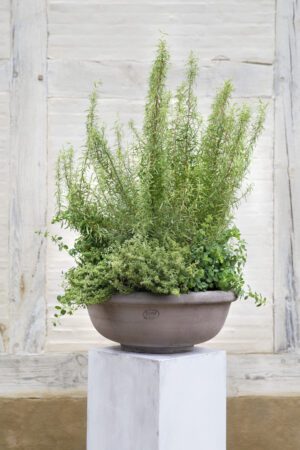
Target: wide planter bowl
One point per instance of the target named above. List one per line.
(144, 322)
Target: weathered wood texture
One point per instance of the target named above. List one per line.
(75, 79)
(263, 374)
(115, 42)
(104, 30)
(66, 373)
(4, 29)
(28, 184)
(287, 177)
(4, 169)
(4, 217)
(43, 374)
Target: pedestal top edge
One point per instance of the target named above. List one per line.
(116, 350)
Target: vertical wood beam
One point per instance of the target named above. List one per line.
(4, 170)
(28, 174)
(287, 177)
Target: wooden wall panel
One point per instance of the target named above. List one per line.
(66, 373)
(4, 169)
(4, 29)
(28, 180)
(128, 79)
(4, 218)
(100, 30)
(287, 177)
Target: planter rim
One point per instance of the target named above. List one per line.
(192, 298)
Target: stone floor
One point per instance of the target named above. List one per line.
(59, 423)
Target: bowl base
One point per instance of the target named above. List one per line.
(157, 350)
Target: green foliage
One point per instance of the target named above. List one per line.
(157, 215)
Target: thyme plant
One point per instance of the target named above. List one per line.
(157, 215)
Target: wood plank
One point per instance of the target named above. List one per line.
(4, 218)
(264, 374)
(43, 374)
(66, 374)
(287, 178)
(28, 191)
(187, 3)
(83, 30)
(130, 78)
(5, 72)
(4, 170)
(4, 29)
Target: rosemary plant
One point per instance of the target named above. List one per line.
(157, 215)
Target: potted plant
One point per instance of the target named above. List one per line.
(158, 259)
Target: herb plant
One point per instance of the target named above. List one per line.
(157, 215)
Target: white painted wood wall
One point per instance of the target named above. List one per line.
(51, 52)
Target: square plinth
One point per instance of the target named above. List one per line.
(156, 402)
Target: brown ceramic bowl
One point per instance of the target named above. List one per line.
(144, 322)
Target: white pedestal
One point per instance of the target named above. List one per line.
(156, 402)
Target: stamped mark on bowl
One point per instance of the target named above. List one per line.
(150, 314)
